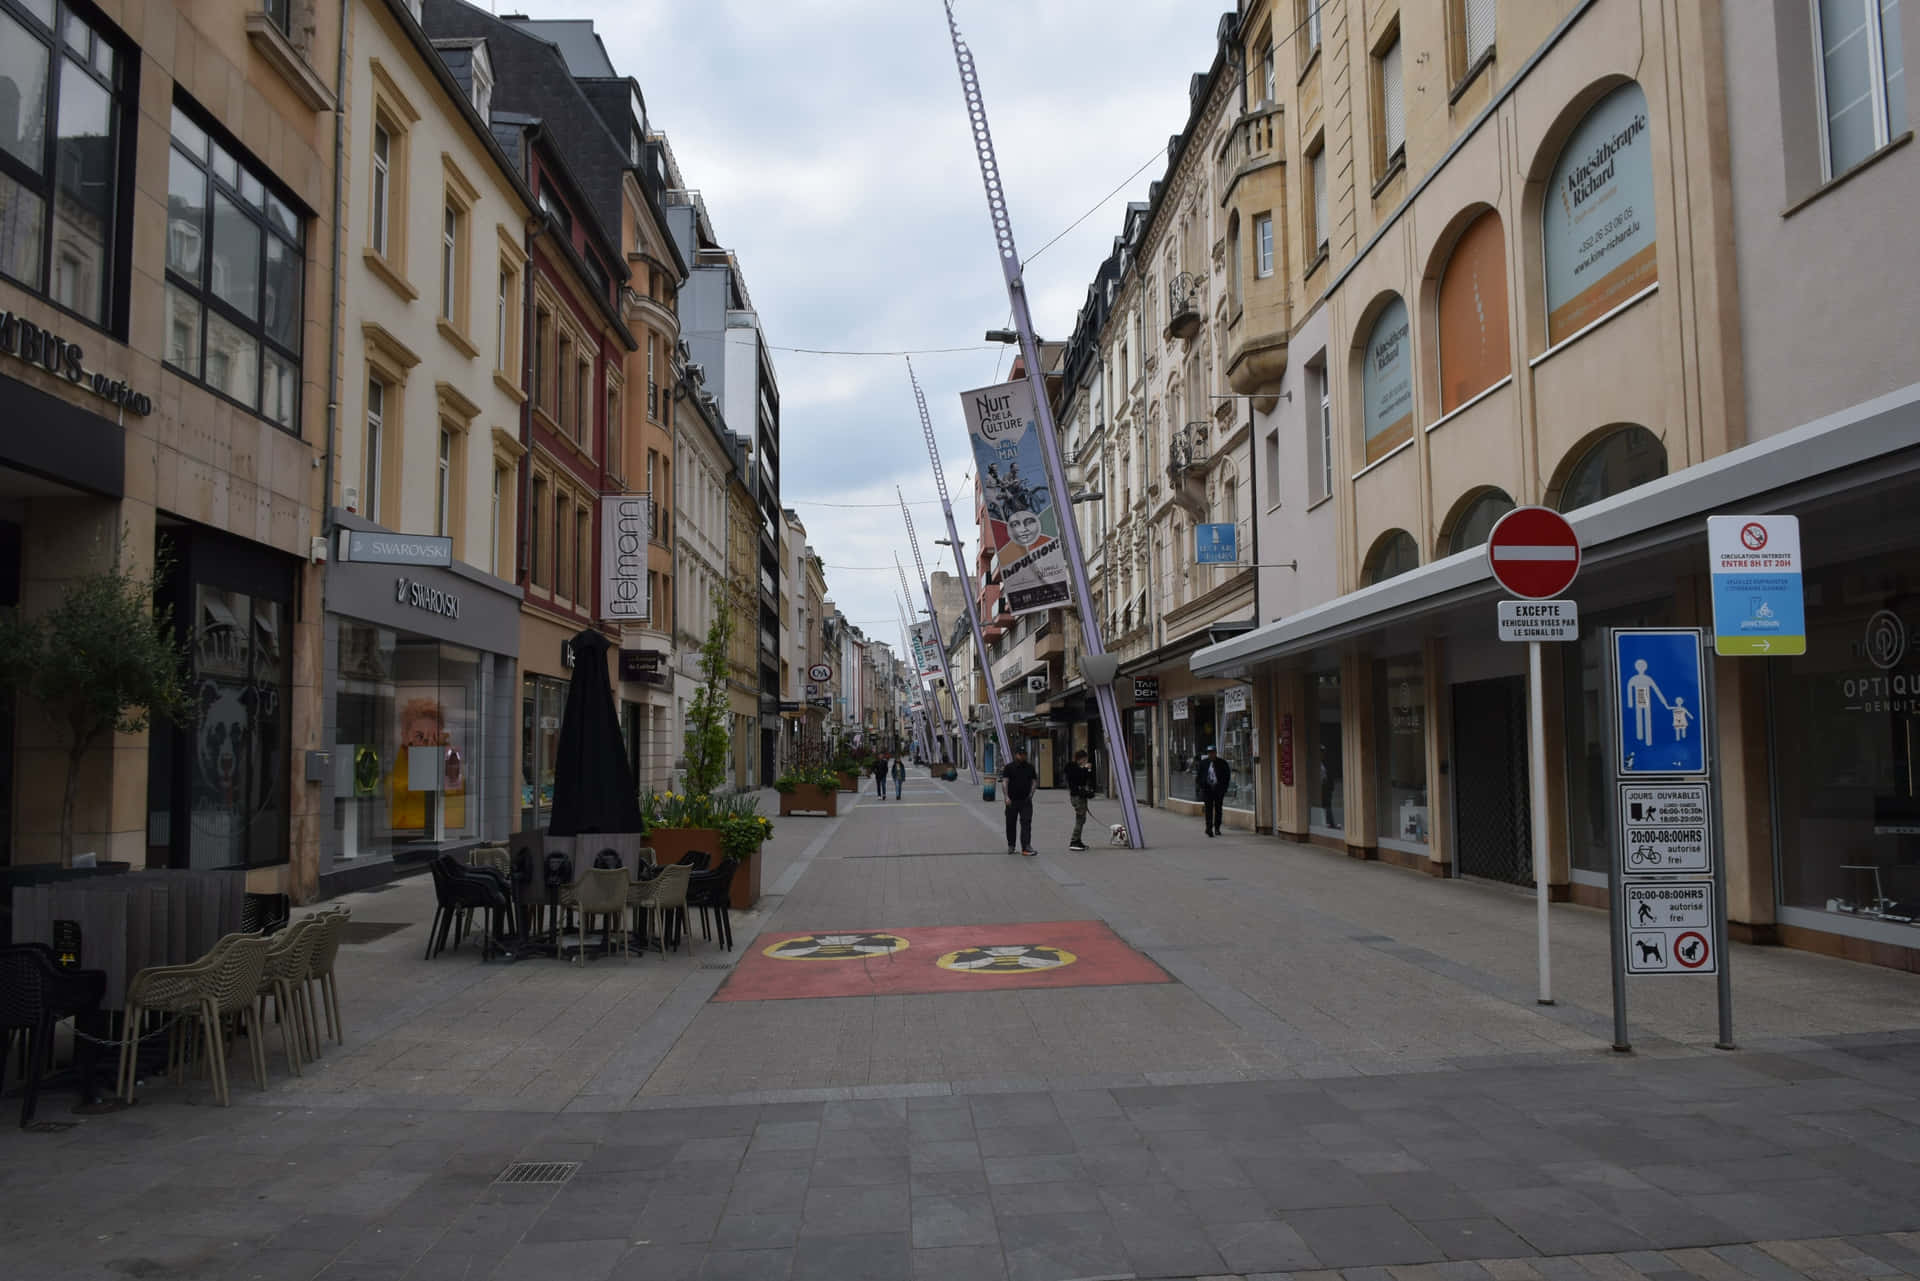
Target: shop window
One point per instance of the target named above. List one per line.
(242, 652)
(1861, 79)
(1628, 457)
(1598, 221)
(537, 552)
(1324, 764)
(1191, 728)
(542, 700)
(1393, 555)
(1475, 522)
(61, 156)
(1400, 750)
(1386, 380)
(1474, 349)
(235, 266)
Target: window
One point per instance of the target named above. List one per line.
(562, 375)
(1393, 107)
(449, 261)
(616, 431)
(582, 557)
(1233, 260)
(1586, 281)
(1623, 459)
(1470, 530)
(1263, 245)
(562, 543)
(1471, 28)
(234, 310)
(1862, 80)
(1312, 22)
(551, 206)
(583, 400)
(1267, 84)
(1272, 462)
(1326, 433)
(1325, 760)
(493, 521)
(1400, 750)
(443, 486)
(372, 462)
(1317, 196)
(653, 394)
(281, 12)
(382, 180)
(501, 311)
(60, 146)
(542, 361)
(536, 525)
(1475, 352)
(1395, 554)
(482, 71)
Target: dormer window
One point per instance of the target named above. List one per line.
(482, 71)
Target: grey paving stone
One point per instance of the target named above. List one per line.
(998, 1111)
(575, 1260)
(1084, 1104)
(756, 1231)
(1035, 1169)
(1011, 1200)
(943, 1125)
(882, 1114)
(1304, 1185)
(870, 1171)
(1049, 1247)
(946, 1154)
(1666, 1221)
(577, 1223)
(727, 1148)
(768, 1192)
(1474, 1239)
(886, 1257)
(778, 1135)
(1103, 1132)
(746, 1265)
(1262, 1246)
(1110, 1166)
(281, 1265)
(777, 1159)
(438, 1266)
(855, 1211)
(953, 1221)
(950, 1183)
(1044, 1139)
(960, 1263)
(327, 1232)
(1424, 1195)
(851, 1144)
(1203, 1170)
(659, 1262)
(674, 1218)
(775, 1112)
(1353, 1236)
(699, 1176)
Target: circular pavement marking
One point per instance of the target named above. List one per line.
(1007, 958)
(836, 947)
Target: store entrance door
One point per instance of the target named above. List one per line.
(1492, 822)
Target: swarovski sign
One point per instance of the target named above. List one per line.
(623, 559)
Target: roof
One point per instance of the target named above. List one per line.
(575, 38)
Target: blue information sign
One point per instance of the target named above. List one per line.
(1215, 545)
(1658, 703)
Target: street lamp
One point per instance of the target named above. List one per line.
(1010, 337)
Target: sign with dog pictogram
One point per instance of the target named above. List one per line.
(1669, 926)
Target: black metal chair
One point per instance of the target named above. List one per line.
(458, 891)
(35, 994)
(265, 913)
(698, 861)
(711, 893)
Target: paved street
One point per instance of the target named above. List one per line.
(1213, 1058)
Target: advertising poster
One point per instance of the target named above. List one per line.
(1387, 382)
(926, 649)
(1023, 522)
(1598, 223)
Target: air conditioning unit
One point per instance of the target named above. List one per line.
(981, 712)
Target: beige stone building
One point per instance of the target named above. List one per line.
(165, 182)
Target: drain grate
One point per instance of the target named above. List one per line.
(1219, 878)
(538, 1172)
(716, 965)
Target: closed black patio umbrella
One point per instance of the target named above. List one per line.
(593, 788)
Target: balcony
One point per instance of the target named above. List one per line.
(1252, 143)
(1183, 306)
(1050, 643)
(1187, 460)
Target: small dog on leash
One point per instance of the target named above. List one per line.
(1118, 835)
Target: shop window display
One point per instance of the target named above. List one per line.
(1236, 743)
(1189, 730)
(1324, 764)
(1400, 749)
(242, 669)
(542, 700)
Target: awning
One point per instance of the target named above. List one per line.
(1790, 467)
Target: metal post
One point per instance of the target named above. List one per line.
(1010, 268)
(906, 642)
(1616, 907)
(928, 693)
(940, 636)
(1537, 789)
(1717, 852)
(960, 564)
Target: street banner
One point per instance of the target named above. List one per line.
(623, 559)
(1023, 520)
(926, 649)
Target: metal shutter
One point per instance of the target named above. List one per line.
(1480, 21)
(1393, 102)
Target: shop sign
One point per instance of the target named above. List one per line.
(1215, 544)
(1037, 684)
(1669, 927)
(1236, 699)
(1286, 749)
(623, 559)
(1386, 382)
(24, 340)
(820, 672)
(1023, 520)
(1758, 604)
(1146, 690)
(1663, 727)
(1664, 828)
(434, 600)
(643, 665)
(1180, 709)
(1599, 219)
(377, 547)
(1539, 620)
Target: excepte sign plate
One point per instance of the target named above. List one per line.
(1669, 927)
(1539, 620)
(1664, 828)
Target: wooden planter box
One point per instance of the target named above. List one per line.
(849, 782)
(808, 798)
(671, 844)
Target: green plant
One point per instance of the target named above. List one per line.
(706, 741)
(102, 661)
(737, 818)
(806, 776)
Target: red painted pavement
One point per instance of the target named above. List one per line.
(1100, 959)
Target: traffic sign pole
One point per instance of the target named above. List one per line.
(1537, 791)
(1716, 854)
(1616, 909)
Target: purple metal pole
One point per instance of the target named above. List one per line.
(951, 724)
(906, 640)
(946, 669)
(1010, 267)
(960, 564)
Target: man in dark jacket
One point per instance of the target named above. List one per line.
(1079, 791)
(1211, 777)
(1017, 782)
(880, 775)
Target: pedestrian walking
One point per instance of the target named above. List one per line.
(1079, 791)
(899, 776)
(880, 775)
(1211, 777)
(1017, 782)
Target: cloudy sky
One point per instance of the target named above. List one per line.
(830, 141)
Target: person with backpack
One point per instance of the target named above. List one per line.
(1080, 791)
(1211, 777)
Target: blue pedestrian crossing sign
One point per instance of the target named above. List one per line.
(1659, 704)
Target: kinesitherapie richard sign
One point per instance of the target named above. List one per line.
(1023, 521)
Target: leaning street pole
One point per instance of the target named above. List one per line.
(940, 645)
(1010, 267)
(919, 684)
(950, 716)
(927, 698)
(960, 565)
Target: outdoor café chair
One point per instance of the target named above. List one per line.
(457, 892)
(35, 994)
(320, 971)
(602, 892)
(712, 893)
(223, 982)
(665, 893)
(699, 861)
(284, 978)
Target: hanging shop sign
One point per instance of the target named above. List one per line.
(642, 665)
(1286, 749)
(1759, 607)
(1037, 684)
(377, 547)
(1146, 690)
(820, 672)
(1023, 520)
(1215, 544)
(624, 596)
(926, 648)
(26, 341)
(1235, 699)
(1180, 709)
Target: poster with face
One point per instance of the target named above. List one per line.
(1022, 520)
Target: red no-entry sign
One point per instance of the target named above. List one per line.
(1533, 552)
